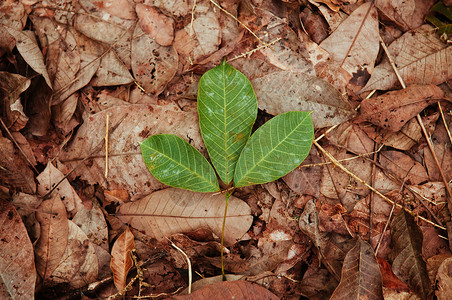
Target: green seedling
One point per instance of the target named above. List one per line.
(227, 108)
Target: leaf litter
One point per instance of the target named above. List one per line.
(75, 63)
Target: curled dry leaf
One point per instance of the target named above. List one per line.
(284, 91)
(239, 289)
(17, 266)
(408, 263)
(12, 85)
(14, 170)
(166, 212)
(354, 44)
(361, 277)
(28, 48)
(133, 124)
(153, 65)
(403, 166)
(53, 238)
(394, 109)
(121, 260)
(444, 280)
(78, 265)
(421, 58)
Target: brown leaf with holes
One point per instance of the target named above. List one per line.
(166, 212)
(17, 266)
(239, 289)
(121, 259)
(408, 263)
(361, 277)
(394, 109)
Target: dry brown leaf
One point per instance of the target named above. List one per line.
(158, 26)
(314, 24)
(63, 114)
(53, 238)
(49, 178)
(408, 263)
(406, 14)
(403, 166)
(120, 8)
(78, 265)
(136, 122)
(121, 259)
(361, 276)
(230, 290)
(14, 171)
(28, 48)
(354, 45)
(111, 71)
(166, 212)
(421, 58)
(394, 109)
(153, 65)
(17, 266)
(177, 8)
(12, 14)
(352, 137)
(284, 91)
(444, 280)
(443, 151)
(12, 85)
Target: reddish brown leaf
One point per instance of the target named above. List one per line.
(390, 281)
(394, 109)
(408, 263)
(53, 239)
(403, 166)
(17, 267)
(229, 290)
(156, 25)
(361, 276)
(121, 260)
(444, 280)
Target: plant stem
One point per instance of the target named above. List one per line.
(222, 234)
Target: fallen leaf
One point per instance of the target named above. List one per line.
(443, 151)
(153, 65)
(121, 259)
(403, 166)
(351, 137)
(48, 180)
(444, 280)
(53, 238)
(166, 212)
(14, 171)
(12, 14)
(394, 109)
(391, 281)
(230, 290)
(433, 264)
(421, 58)
(361, 277)
(93, 224)
(408, 263)
(315, 25)
(111, 71)
(126, 167)
(158, 26)
(28, 48)
(78, 265)
(172, 7)
(12, 85)
(354, 45)
(407, 15)
(17, 266)
(284, 91)
(120, 8)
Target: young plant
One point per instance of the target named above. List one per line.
(227, 108)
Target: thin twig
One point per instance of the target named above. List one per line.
(107, 123)
(444, 121)
(188, 262)
(248, 53)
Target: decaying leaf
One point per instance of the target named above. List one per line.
(172, 210)
(403, 166)
(354, 44)
(53, 238)
(361, 277)
(408, 263)
(239, 289)
(17, 266)
(12, 85)
(443, 151)
(394, 109)
(133, 124)
(156, 25)
(444, 280)
(421, 58)
(121, 259)
(92, 222)
(284, 91)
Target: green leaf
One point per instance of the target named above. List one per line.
(275, 149)
(176, 163)
(227, 109)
